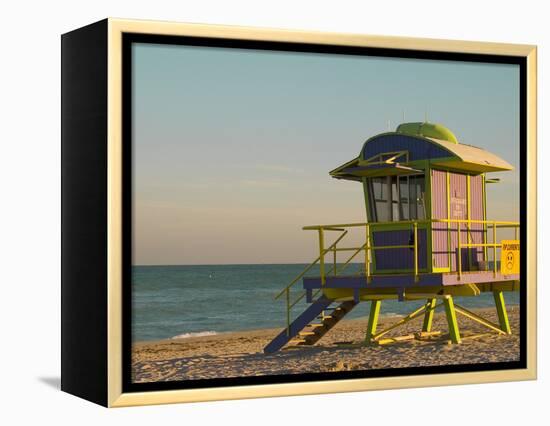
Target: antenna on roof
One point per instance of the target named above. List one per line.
(426, 114)
(389, 125)
(403, 116)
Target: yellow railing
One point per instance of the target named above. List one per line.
(367, 248)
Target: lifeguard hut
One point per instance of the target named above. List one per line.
(427, 238)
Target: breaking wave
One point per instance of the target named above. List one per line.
(198, 334)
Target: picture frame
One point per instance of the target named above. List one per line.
(97, 226)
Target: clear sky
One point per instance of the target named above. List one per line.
(232, 148)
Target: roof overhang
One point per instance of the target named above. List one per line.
(469, 158)
(468, 166)
(357, 169)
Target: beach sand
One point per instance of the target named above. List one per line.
(241, 354)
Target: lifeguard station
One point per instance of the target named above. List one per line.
(427, 238)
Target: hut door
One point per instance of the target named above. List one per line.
(478, 234)
(440, 231)
(458, 211)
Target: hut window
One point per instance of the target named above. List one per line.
(395, 198)
(404, 208)
(379, 191)
(417, 208)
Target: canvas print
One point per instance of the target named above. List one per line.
(299, 213)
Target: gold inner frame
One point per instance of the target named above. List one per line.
(116, 27)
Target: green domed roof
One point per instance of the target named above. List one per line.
(429, 130)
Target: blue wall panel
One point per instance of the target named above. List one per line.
(400, 258)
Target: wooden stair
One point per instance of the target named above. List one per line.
(313, 332)
(311, 325)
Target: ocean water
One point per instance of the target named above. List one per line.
(170, 301)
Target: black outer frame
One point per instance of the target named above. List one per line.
(84, 212)
(129, 38)
(84, 326)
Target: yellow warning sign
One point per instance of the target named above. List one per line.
(509, 257)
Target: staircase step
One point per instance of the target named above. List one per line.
(315, 325)
(307, 333)
(324, 317)
(297, 341)
(334, 308)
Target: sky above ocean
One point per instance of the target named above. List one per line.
(232, 147)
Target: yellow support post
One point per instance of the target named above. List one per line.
(454, 332)
(429, 315)
(501, 311)
(373, 320)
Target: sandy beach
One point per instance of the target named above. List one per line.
(241, 353)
